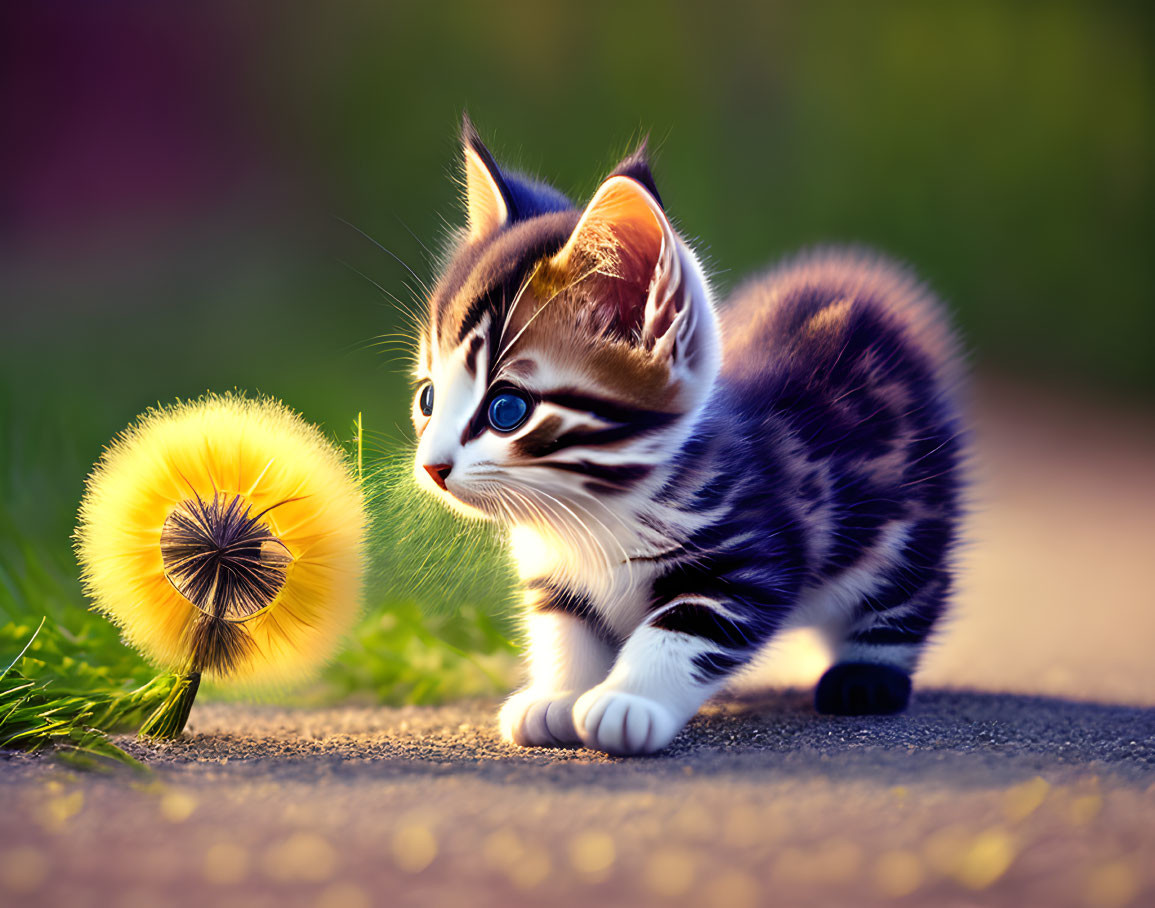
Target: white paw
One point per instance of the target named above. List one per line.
(623, 724)
(538, 718)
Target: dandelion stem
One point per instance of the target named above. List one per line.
(170, 718)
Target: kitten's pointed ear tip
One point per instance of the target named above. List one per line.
(471, 142)
(470, 138)
(488, 203)
(636, 165)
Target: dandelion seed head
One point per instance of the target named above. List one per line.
(225, 534)
(223, 560)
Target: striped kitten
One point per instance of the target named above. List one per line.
(680, 482)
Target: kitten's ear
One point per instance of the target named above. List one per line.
(636, 165)
(487, 199)
(625, 248)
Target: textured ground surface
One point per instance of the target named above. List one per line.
(968, 799)
(971, 798)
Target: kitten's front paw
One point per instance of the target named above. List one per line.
(623, 724)
(537, 718)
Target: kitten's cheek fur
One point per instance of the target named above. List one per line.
(624, 724)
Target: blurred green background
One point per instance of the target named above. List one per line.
(173, 183)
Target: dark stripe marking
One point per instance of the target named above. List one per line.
(475, 346)
(477, 309)
(642, 425)
(712, 666)
(541, 440)
(604, 408)
(698, 620)
(555, 598)
(624, 474)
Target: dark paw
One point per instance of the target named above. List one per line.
(862, 689)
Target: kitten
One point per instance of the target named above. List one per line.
(681, 482)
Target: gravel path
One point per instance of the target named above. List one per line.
(969, 798)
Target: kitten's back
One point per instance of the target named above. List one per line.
(842, 370)
(815, 314)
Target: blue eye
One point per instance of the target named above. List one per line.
(508, 410)
(425, 399)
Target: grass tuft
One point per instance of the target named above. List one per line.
(38, 715)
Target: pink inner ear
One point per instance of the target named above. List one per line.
(636, 261)
(620, 238)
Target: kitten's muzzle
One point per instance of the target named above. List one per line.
(439, 472)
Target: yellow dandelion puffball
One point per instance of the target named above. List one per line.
(225, 535)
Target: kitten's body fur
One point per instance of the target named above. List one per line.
(685, 486)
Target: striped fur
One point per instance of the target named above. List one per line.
(675, 499)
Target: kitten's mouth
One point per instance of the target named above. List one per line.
(475, 508)
(456, 498)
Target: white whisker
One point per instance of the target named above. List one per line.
(541, 309)
(516, 299)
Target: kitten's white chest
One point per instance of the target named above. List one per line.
(618, 587)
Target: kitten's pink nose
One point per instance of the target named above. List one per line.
(438, 472)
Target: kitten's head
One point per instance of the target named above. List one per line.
(565, 349)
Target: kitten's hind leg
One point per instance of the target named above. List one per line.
(876, 656)
(566, 658)
(862, 689)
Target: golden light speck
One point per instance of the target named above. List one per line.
(301, 857)
(732, 889)
(1083, 809)
(177, 806)
(532, 868)
(944, 849)
(501, 848)
(801, 865)
(592, 855)
(841, 858)
(344, 895)
(648, 827)
(294, 813)
(225, 864)
(54, 813)
(898, 873)
(525, 865)
(1024, 799)
(1112, 885)
(989, 856)
(414, 846)
(693, 821)
(670, 872)
(23, 869)
(743, 827)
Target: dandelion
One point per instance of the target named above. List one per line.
(224, 537)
